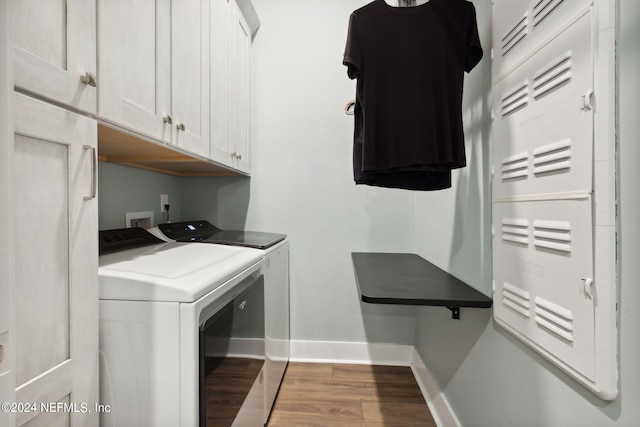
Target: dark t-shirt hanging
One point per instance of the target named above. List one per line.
(410, 65)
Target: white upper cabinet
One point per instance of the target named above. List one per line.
(220, 80)
(154, 57)
(190, 75)
(240, 124)
(230, 86)
(55, 51)
(134, 47)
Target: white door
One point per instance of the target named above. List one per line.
(240, 90)
(55, 50)
(134, 49)
(7, 381)
(545, 263)
(543, 248)
(56, 257)
(190, 75)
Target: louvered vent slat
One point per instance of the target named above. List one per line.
(553, 76)
(515, 99)
(515, 230)
(554, 235)
(542, 9)
(515, 34)
(552, 157)
(554, 318)
(516, 166)
(516, 299)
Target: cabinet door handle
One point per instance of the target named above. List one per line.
(586, 101)
(242, 305)
(586, 286)
(167, 119)
(180, 126)
(94, 162)
(88, 79)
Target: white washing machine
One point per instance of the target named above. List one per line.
(275, 248)
(167, 314)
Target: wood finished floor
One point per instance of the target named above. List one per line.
(332, 395)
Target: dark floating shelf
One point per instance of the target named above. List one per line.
(400, 278)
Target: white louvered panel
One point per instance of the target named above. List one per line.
(554, 318)
(516, 299)
(521, 26)
(554, 235)
(539, 292)
(545, 176)
(515, 167)
(515, 99)
(552, 157)
(515, 34)
(515, 230)
(552, 76)
(542, 9)
(540, 116)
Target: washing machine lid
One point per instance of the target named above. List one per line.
(205, 232)
(180, 272)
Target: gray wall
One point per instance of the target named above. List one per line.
(301, 180)
(123, 189)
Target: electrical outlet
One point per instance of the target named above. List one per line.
(164, 200)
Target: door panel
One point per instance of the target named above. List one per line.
(55, 219)
(220, 80)
(55, 46)
(522, 26)
(42, 312)
(543, 260)
(240, 89)
(135, 65)
(543, 131)
(190, 75)
(7, 308)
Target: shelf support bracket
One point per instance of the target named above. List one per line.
(455, 312)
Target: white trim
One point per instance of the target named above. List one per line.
(351, 352)
(437, 402)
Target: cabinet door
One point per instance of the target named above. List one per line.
(240, 124)
(134, 48)
(55, 48)
(220, 79)
(190, 75)
(56, 263)
(544, 272)
(7, 310)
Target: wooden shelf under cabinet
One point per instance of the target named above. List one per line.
(116, 146)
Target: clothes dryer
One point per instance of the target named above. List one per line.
(167, 314)
(275, 250)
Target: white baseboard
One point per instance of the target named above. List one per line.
(436, 401)
(380, 354)
(351, 352)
